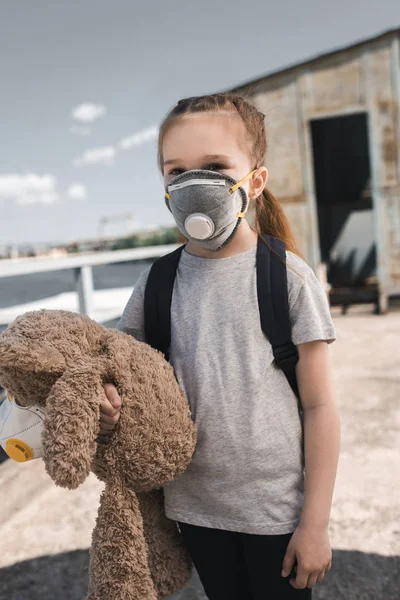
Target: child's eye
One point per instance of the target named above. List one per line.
(216, 167)
(176, 172)
(211, 167)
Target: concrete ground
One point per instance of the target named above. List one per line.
(45, 531)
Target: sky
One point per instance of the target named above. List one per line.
(85, 84)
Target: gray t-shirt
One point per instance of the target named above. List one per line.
(247, 473)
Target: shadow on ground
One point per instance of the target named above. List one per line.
(354, 576)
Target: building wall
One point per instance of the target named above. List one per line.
(365, 78)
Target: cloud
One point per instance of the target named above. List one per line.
(28, 188)
(96, 156)
(105, 155)
(79, 130)
(87, 113)
(77, 191)
(139, 138)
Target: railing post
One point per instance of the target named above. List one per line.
(84, 287)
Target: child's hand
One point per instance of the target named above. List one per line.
(312, 550)
(110, 409)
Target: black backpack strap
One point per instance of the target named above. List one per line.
(158, 299)
(273, 303)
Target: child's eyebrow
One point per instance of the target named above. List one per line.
(206, 157)
(217, 157)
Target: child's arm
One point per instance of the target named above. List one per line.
(321, 431)
(312, 331)
(310, 542)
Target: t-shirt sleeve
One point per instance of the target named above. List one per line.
(309, 311)
(132, 320)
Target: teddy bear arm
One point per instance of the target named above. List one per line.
(71, 425)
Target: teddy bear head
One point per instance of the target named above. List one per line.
(37, 348)
(60, 361)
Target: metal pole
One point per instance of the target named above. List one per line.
(84, 287)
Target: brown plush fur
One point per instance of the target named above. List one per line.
(60, 360)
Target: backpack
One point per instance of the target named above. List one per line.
(273, 305)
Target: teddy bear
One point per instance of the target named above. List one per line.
(59, 361)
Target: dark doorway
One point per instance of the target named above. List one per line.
(343, 191)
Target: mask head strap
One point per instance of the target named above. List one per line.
(241, 215)
(239, 183)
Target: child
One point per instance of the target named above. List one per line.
(255, 526)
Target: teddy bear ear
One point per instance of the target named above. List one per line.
(33, 356)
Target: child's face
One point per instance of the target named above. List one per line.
(212, 141)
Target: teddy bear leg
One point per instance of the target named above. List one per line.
(119, 568)
(169, 560)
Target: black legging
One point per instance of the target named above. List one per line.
(240, 566)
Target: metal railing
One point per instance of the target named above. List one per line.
(82, 265)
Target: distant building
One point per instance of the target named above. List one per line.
(333, 125)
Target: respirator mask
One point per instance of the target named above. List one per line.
(207, 206)
(21, 430)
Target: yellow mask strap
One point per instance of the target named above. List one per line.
(239, 183)
(168, 196)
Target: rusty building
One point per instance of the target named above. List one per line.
(333, 126)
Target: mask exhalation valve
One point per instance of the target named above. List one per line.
(199, 226)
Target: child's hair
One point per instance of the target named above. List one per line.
(270, 218)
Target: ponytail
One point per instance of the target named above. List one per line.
(270, 219)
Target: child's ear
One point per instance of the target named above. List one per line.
(258, 183)
(30, 355)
